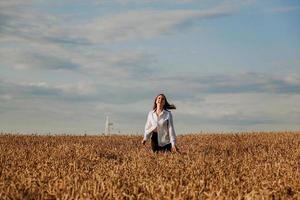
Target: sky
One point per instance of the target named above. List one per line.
(227, 65)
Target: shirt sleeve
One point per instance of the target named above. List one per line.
(148, 127)
(172, 130)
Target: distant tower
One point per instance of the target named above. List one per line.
(108, 126)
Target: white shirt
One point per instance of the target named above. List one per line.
(164, 125)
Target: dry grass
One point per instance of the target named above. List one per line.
(211, 166)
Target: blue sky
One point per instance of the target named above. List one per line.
(227, 65)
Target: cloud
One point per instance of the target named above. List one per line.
(239, 112)
(72, 107)
(285, 9)
(145, 24)
(128, 102)
(151, 1)
(124, 63)
(83, 76)
(124, 91)
(84, 91)
(87, 61)
(17, 4)
(110, 28)
(222, 83)
(27, 23)
(32, 39)
(27, 90)
(47, 116)
(22, 59)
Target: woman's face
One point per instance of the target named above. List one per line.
(160, 100)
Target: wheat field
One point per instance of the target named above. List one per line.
(210, 166)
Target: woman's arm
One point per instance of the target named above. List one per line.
(148, 129)
(172, 130)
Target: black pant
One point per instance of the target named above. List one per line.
(156, 147)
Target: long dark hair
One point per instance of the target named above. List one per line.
(167, 105)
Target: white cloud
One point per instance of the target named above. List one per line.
(35, 55)
(292, 79)
(145, 24)
(240, 112)
(152, 1)
(6, 97)
(88, 61)
(122, 81)
(183, 88)
(285, 9)
(35, 40)
(17, 3)
(39, 26)
(234, 83)
(89, 102)
(124, 63)
(29, 24)
(25, 90)
(80, 88)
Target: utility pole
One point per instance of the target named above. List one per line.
(108, 126)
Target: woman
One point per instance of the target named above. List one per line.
(159, 126)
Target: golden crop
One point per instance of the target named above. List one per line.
(210, 166)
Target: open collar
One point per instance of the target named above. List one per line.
(162, 113)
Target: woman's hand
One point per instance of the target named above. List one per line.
(175, 149)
